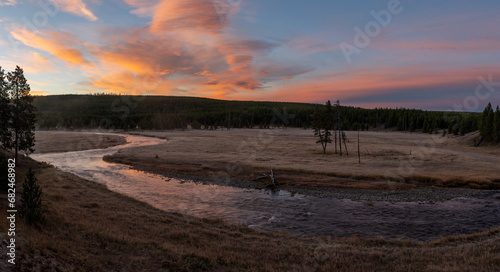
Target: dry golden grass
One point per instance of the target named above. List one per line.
(62, 141)
(92, 229)
(388, 159)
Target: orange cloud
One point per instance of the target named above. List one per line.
(185, 49)
(131, 83)
(60, 44)
(38, 92)
(240, 68)
(213, 68)
(205, 73)
(31, 62)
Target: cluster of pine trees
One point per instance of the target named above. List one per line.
(17, 131)
(17, 113)
(489, 125)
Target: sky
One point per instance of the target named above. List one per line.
(436, 55)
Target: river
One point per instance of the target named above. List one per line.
(280, 210)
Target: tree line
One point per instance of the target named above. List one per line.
(163, 112)
(167, 112)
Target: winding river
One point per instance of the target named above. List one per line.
(280, 210)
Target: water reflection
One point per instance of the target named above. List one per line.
(278, 209)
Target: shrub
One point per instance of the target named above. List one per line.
(32, 209)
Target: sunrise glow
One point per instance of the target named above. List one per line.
(383, 53)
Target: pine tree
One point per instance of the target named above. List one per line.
(425, 127)
(5, 112)
(433, 126)
(486, 125)
(400, 125)
(450, 126)
(21, 131)
(32, 209)
(496, 125)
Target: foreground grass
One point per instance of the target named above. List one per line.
(93, 229)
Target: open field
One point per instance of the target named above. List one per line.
(62, 141)
(389, 160)
(92, 229)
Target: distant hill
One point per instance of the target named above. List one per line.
(169, 112)
(163, 112)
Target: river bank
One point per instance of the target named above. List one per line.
(389, 160)
(49, 141)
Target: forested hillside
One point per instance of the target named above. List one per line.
(167, 112)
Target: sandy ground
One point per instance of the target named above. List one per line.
(62, 141)
(389, 160)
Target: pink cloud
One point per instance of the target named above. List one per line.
(143, 8)
(8, 2)
(200, 15)
(362, 83)
(308, 46)
(486, 44)
(237, 59)
(76, 7)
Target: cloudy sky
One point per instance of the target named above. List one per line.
(381, 53)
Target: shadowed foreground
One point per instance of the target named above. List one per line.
(92, 229)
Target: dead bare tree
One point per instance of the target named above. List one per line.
(345, 145)
(359, 155)
(335, 133)
(274, 180)
(338, 127)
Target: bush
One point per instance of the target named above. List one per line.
(32, 209)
